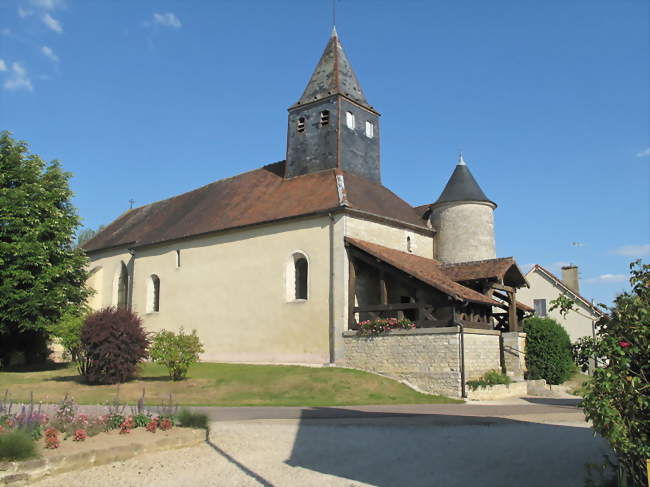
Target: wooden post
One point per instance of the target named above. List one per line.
(383, 291)
(352, 288)
(512, 311)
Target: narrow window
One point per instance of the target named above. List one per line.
(153, 305)
(300, 128)
(540, 307)
(349, 120)
(123, 287)
(370, 129)
(301, 269)
(324, 117)
(178, 258)
(408, 244)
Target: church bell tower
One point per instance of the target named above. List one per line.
(332, 125)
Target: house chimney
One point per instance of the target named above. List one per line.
(570, 278)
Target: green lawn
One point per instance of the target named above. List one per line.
(211, 384)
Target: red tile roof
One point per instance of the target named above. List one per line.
(258, 196)
(484, 269)
(426, 270)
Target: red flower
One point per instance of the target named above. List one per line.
(624, 344)
(80, 435)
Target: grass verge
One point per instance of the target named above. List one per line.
(214, 384)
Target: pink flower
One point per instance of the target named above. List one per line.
(624, 344)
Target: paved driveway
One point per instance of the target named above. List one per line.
(534, 444)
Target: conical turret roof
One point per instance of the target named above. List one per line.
(333, 75)
(462, 186)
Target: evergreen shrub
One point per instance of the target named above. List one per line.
(548, 350)
(16, 445)
(113, 343)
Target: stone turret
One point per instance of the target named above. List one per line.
(332, 125)
(463, 219)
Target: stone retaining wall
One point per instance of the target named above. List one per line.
(426, 358)
(514, 346)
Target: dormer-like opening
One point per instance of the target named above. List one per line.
(349, 120)
(300, 127)
(324, 117)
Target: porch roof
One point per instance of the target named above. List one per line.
(429, 271)
(503, 268)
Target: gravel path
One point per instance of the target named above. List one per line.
(441, 450)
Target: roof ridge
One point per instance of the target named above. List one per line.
(450, 264)
(561, 282)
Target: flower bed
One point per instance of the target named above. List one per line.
(383, 325)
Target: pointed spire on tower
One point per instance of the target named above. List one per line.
(462, 186)
(333, 75)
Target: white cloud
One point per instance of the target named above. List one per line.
(607, 278)
(167, 19)
(3, 66)
(24, 12)
(633, 250)
(48, 52)
(52, 23)
(18, 79)
(644, 153)
(48, 4)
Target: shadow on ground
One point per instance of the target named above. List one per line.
(447, 450)
(553, 401)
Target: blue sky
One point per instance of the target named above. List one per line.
(547, 100)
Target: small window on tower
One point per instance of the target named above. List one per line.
(349, 120)
(370, 130)
(324, 117)
(301, 125)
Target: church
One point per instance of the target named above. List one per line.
(280, 264)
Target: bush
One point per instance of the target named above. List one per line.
(192, 420)
(16, 445)
(617, 399)
(490, 378)
(68, 332)
(113, 343)
(548, 350)
(176, 352)
(383, 325)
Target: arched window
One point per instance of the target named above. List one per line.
(298, 277)
(324, 117)
(153, 294)
(349, 120)
(122, 287)
(302, 269)
(300, 127)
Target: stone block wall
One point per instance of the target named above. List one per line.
(427, 358)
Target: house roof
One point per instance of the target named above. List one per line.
(333, 75)
(503, 268)
(258, 196)
(462, 186)
(429, 271)
(568, 290)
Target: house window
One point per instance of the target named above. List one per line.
(370, 129)
(540, 307)
(324, 117)
(178, 258)
(153, 294)
(408, 244)
(122, 288)
(349, 120)
(300, 127)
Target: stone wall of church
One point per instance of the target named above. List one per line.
(389, 236)
(235, 288)
(427, 358)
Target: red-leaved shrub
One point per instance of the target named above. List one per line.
(113, 343)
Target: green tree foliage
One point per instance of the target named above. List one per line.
(176, 352)
(548, 350)
(87, 234)
(113, 343)
(42, 274)
(68, 332)
(617, 397)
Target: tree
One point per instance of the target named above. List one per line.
(617, 397)
(86, 234)
(42, 274)
(548, 350)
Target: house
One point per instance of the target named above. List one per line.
(546, 287)
(280, 264)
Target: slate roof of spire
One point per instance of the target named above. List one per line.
(333, 75)
(462, 186)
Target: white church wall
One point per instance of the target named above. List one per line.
(574, 323)
(389, 236)
(105, 267)
(231, 287)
